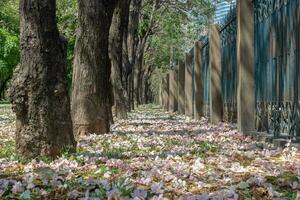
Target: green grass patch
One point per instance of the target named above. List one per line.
(204, 148)
(289, 194)
(7, 149)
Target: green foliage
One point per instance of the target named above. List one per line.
(67, 19)
(177, 26)
(9, 16)
(9, 52)
(9, 40)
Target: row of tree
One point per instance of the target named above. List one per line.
(112, 66)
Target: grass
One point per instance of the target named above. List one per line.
(7, 149)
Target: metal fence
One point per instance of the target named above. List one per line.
(277, 77)
(277, 67)
(206, 75)
(228, 35)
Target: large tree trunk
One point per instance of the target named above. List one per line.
(138, 74)
(116, 55)
(133, 41)
(91, 92)
(127, 66)
(133, 27)
(147, 93)
(38, 92)
(131, 91)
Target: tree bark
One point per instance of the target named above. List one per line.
(138, 64)
(133, 26)
(133, 41)
(91, 92)
(3, 87)
(38, 91)
(127, 67)
(116, 55)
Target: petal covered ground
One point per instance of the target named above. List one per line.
(153, 155)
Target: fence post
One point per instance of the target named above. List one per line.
(163, 92)
(246, 68)
(198, 82)
(181, 92)
(188, 86)
(173, 91)
(167, 91)
(176, 89)
(160, 98)
(216, 103)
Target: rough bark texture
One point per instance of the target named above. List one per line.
(133, 26)
(133, 42)
(116, 54)
(147, 96)
(38, 91)
(92, 94)
(127, 67)
(137, 76)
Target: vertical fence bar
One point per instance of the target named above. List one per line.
(199, 99)
(188, 85)
(245, 63)
(216, 103)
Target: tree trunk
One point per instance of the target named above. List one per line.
(91, 92)
(138, 67)
(127, 67)
(3, 87)
(38, 91)
(131, 91)
(133, 27)
(133, 42)
(116, 54)
(148, 97)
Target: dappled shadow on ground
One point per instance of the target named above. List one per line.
(156, 155)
